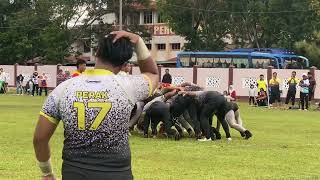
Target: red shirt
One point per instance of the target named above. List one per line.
(75, 74)
(233, 94)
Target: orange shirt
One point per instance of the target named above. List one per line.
(75, 73)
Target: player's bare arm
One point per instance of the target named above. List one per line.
(42, 135)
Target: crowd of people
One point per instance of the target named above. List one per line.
(306, 84)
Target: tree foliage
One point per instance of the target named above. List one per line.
(249, 23)
(311, 49)
(47, 28)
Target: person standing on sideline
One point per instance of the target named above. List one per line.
(275, 92)
(95, 110)
(35, 80)
(232, 93)
(81, 67)
(304, 92)
(167, 78)
(3, 81)
(312, 86)
(291, 95)
(252, 95)
(44, 84)
(19, 81)
(261, 83)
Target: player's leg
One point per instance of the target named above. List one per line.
(247, 134)
(205, 113)
(146, 124)
(230, 118)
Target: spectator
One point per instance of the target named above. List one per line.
(43, 84)
(67, 75)
(228, 97)
(60, 77)
(275, 92)
(167, 79)
(304, 92)
(19, 81)
(262, 98)
(232, 93)
(261, 83)
(252, 95)
(291, 95)
(81, 67)
(29, 87)
(35, 81)
(312, 86)
(3, 80)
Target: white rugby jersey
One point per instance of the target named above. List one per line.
(95, 110)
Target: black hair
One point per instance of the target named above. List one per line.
(294, 72)
(80, 62)
(116, 53)
(275, 73)
(261, 75)
(309, 73)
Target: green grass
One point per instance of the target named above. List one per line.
(286, 145)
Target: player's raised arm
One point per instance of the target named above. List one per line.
(146, 64)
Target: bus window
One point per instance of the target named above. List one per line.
(184, 60)
(205, 62)
(294, 63)
(240, 62)
(263, 62)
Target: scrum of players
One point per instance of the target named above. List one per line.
(187, 107)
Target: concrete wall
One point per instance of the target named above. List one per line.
(179, 75)
(214, 79)
(242, 78)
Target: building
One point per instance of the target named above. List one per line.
(164, 43)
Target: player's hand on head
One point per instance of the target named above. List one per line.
(134, 38)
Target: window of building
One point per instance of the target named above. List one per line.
(160, 19)
(86, 46)
(147, 17)
(161, 46)
(175, 46)
(149, 46)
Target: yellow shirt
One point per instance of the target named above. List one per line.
(293, 80)
(273, 81)
(262, 85)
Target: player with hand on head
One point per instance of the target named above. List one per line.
(95, 109)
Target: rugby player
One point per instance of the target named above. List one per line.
(230, 112)
(95, 109)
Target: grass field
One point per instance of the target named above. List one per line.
(286, 145)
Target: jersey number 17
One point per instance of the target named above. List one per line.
(81, 108)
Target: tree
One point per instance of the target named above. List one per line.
(311, 49)
(204, 29)
(249, 23)
(47, 28)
